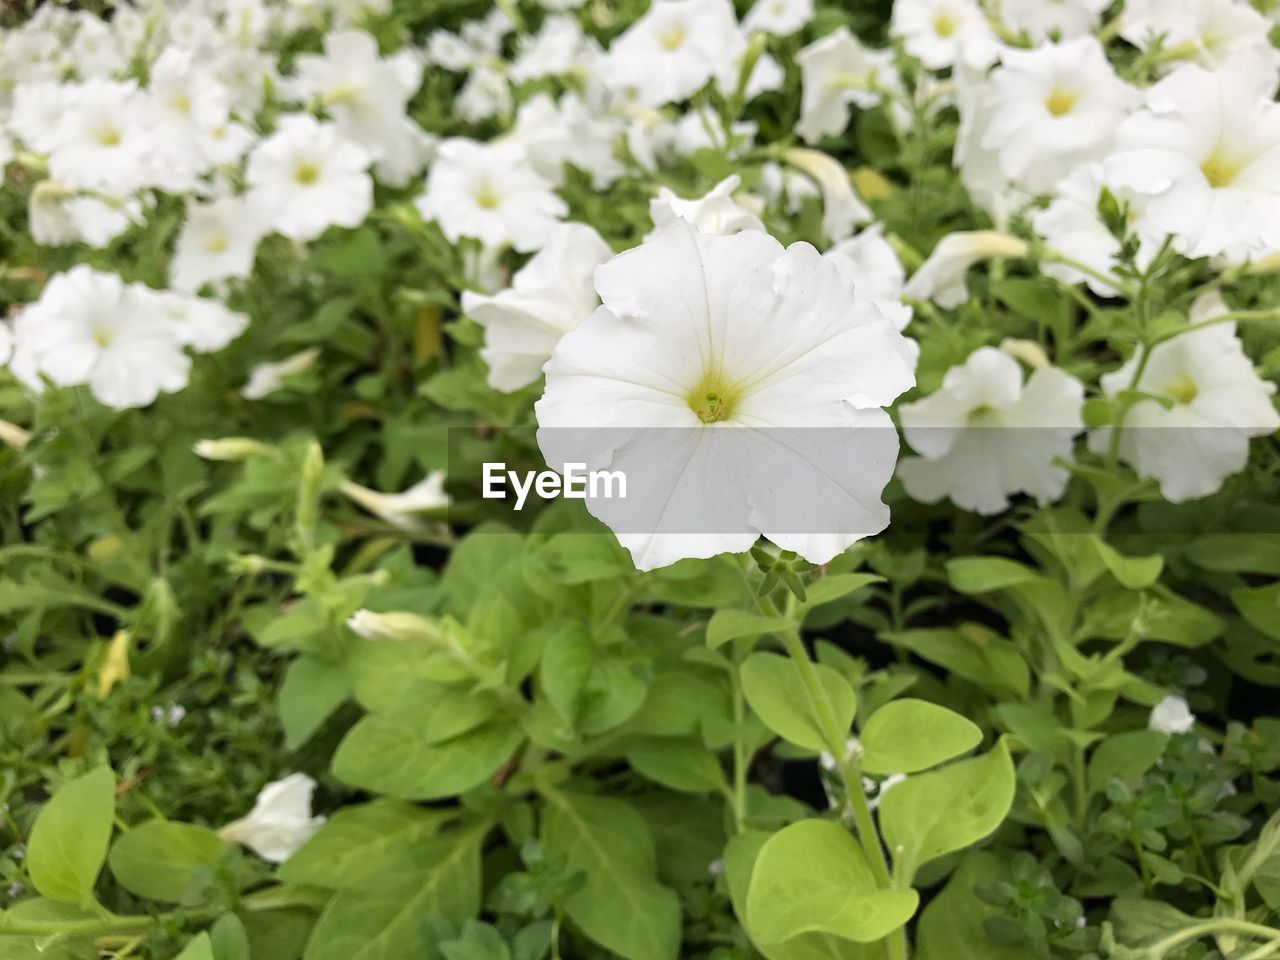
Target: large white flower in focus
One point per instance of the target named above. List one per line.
(739, 387)
(985, 435)
(1203, 159)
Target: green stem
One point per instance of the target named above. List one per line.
(1217, 925)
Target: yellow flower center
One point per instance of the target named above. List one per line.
(714, 397)
(983, 416)
(1182, 390)
(109, 137)
(1220, 170)
(216, 243)
(1060, 102)
(671, 37)
(102, 337)
(945, 24)
(306, 173)
(488, 198)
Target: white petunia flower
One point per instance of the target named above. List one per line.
(490, 192)
(984, 435)
(569, 132)
(1066, 18)
(1205, 31)
(104, 138)
(486, 94)
(402, 509)
(218, 241)
(837, 72)
(92, 328)
(36, 115)
(979, 167)
(1203, 159)
(558, 48)
(739, 387)
(945, 33)
(715, 212)
(280, 821)
(1207, 402)
(549, 296)
(869, 263)
(842, 208)
(305, 178)
(674, 50)
(778, 17)
(1052, 108)
(1172, 715)
(202, 324)
(941, 278)
(267, 378)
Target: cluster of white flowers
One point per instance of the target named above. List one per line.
(709, 322)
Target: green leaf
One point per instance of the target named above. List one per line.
(386, 754)
(974, 653)
(161, 860)
(69, 839)
(985, 574)
(935, 813)
(1126, 756)
(726, 625)
(358, 841)
(201, 948)
(811, 877)
(679, 763)
(1261, 607)
(620, 905)
(951, 926)
(908, 735)
(837, 586)
(229, 939)
(1141, 923)
(1136, 573)
(386, 917)
(312, 690)
(774, 689)
(591, 689)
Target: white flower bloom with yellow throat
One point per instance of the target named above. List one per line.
(839, 72)
(740, 389)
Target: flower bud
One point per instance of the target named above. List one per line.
(231, 448)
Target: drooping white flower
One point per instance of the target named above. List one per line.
(217, 242)
(941, 278)
(490, 192)
(1207, 32)
(1207, 402)
(305, 178)
(839, 72)
(1203, 159)
(779, 17)
(842, 208)
(945, 33)
(674, 50)
(739, 387)
(280, 821)
(984, 435)
(92, 328)
(1172, 715)
(402, 509)
(549, 296)
(267, 378)
(1065, 18)
(1052, 108)
(714, 212)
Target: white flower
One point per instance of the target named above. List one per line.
(267, 378)
(941, 277)
(401, 509)
(739, 387)
(558, 48)
(103, 138)
(985, 435)
(1052, 108)
(867, 261)
(487, 93)
(490, 192)
(1172, 715)
(842, 208)
(305, 178)
(945, 33)
(569, 132)
(549, 296)
(202, 324)
(838, 71)
(1206, 31)
(218, 241)
(1066, 18)
(779, 17)
(91, 328)
(280, 821)
(979, 167)
(48, 218)
(36, 116)
(673, 51)
(1203, 158)
(716, 212)
(1211, 402)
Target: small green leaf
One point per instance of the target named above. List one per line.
(679, 763)
(201, 948)
(985, 574)
(312, 690)
(812, 877)
(230, 942)
(837, 586)
(935, 813)
(1261, 607)
(726, 625)
(70, 836)
(1125, 755)
(774, 689)
(160, 859)
(908, 735)
(951, 926)
(1136, 573)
